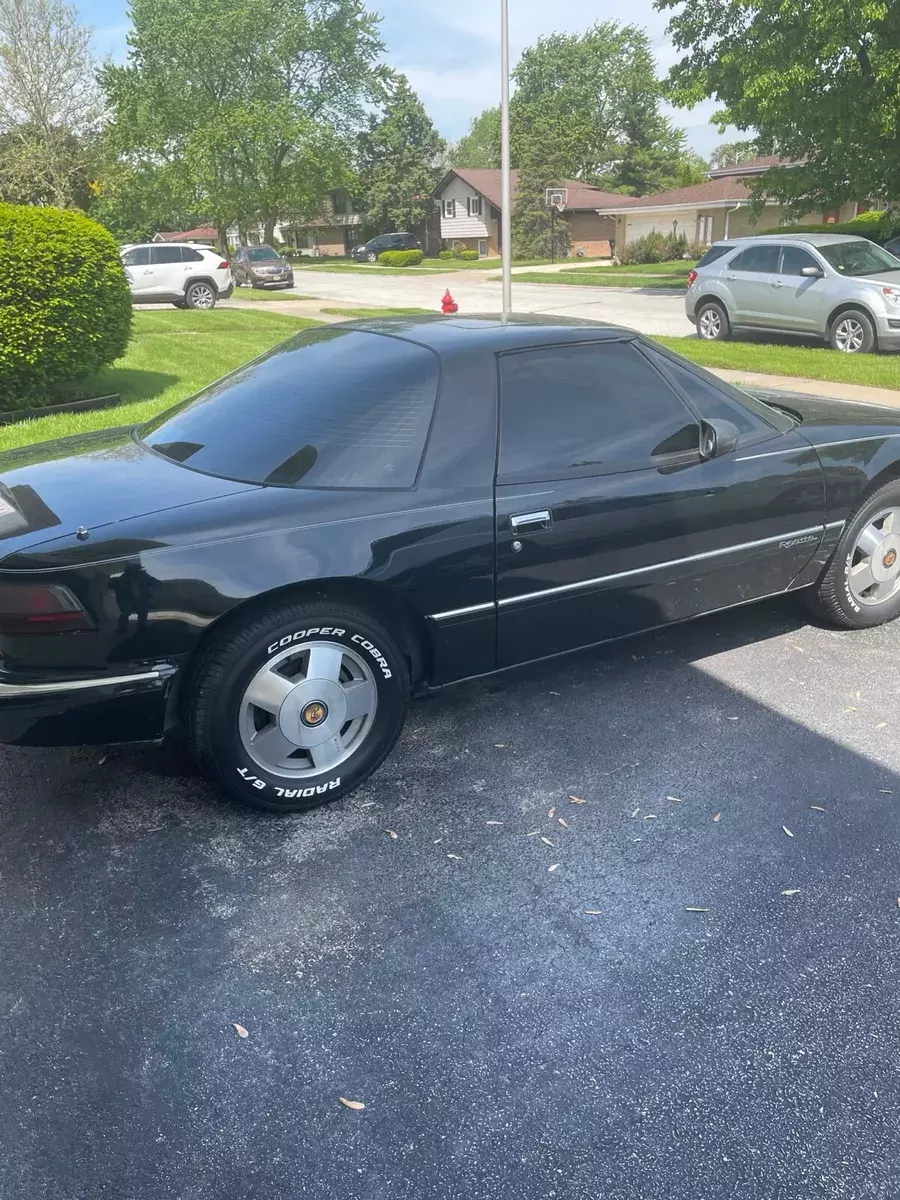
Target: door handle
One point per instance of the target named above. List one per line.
(149, 272)
(531, 522)
(731, 277)
(777, 283)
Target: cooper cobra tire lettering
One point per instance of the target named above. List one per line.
(301, 634)
(375, 652)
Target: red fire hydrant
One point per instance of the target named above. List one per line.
(448, 304)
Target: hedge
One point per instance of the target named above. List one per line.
(400, 258)
(655, 247)
(469, 255)
(875, 225)
(65, 305)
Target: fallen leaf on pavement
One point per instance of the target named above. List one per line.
(850, 708)
(553, 866)
(881, 725)
(791, 892)
(886, 791)
(391, 834)
(457, 856)
(533, 833)
(102, 760)
(562, 821)
(546, 841)
(817, 808)
(787, 831)
(674, 799)
(593, 912)
(717, 817)
(731, 718)
(576, 800)
(240, 1030)
(356, 1105)
(499, 745)
(556, 693)
(493, 822)
(690, 908)
(635, 813)
(551, 812)
(649, 817)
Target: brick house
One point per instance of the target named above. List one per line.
(470, 207)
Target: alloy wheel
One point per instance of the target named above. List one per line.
(308, 709)
(202, 296)
(710, 324)
(874, 574)
(849, 335)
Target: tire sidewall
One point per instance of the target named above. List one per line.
(862, 615)
(251, 783)
(725, 326)
(865, 320)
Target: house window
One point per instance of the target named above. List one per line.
(449, 209)
(704, 230)
(482, 249)
(473, 206)
(339, 202)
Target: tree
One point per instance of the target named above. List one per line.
(732, 154)
(254, 101)
(536, 233)
(817, 79)
(398, 162)
(50, 105)
(595, 98)
(480, 147)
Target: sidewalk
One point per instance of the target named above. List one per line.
(811, 387)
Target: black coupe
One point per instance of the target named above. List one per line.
(387, 506)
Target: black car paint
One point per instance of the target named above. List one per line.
(171, 552)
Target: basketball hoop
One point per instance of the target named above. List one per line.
(556, 198)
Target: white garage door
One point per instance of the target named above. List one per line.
(636, 227)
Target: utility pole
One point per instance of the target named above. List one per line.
(505, 188)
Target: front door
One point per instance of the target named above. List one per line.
(168, 271)
(798, 302)
(748, 278)
(138, 270)
(609, 521)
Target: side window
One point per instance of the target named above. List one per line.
(588, 409)
(756, 258)
(188, 254)
(165, 254)
(448, 208)
(712, 254)
(707, 397)
(138, 257)
(793, 260)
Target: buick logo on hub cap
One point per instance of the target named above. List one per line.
(314, 714)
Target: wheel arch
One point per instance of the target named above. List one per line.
(207, 279)
(851, 306)
(712, 298)
(387, 605)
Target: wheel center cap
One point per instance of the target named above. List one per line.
(314, 714)
(890, 558)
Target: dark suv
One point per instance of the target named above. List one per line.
(261, 266)
(369, 251)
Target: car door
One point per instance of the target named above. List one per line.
(747, 278)
(240, 265)
(167, 271)
(138, 271)
(609, 520)
(798, 301)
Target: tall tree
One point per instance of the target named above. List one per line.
(817, 78)
(732, 154)
(595, 98)
(480, 147)
(256, 101)
(50, 105)
(398, 161)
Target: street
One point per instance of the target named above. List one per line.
(647, 310)
(514, 1032)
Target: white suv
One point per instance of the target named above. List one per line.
(184, 274)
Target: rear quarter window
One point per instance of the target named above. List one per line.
(330, 408)
(712, 254)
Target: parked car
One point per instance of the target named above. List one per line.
(187, 275)
(845, 290)
(261, 266)
(381, 508)
(369, 251)
(893, 246)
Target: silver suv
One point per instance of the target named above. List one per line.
(843, 289)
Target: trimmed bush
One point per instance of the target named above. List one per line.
(65, 306)
(469, 255)
(446, 255)
(875, 225)
(654, 247)
(400, 258)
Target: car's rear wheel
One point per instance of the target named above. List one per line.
(298, 706)
(860, 587)
(712, 322)
(852, 332)
(200, 295)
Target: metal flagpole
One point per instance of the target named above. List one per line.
(505, 189)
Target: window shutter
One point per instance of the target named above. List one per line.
(468, 206)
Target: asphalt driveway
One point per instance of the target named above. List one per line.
(514, 1032)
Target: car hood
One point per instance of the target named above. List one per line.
(267, 262)
(66, 491)
(889, 278)
(849, 415)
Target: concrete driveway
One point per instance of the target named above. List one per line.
(515, 1033)
(646, 310)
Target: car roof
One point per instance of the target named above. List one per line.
(151, 245)
(809, 239)
(490, 332)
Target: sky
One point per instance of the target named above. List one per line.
(450, 49)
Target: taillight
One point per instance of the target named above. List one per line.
(692, 275)
(223, 266)
(39, 608)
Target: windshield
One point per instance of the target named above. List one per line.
(859, 258)
(261, 253)
(328, 408)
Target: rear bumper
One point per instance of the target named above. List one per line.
(224, 295)
(85, 712)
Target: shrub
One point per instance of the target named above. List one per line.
(875, 225)
(654, 247)
(468, 255)
(446, 255)
(65, 306)
(400, 258)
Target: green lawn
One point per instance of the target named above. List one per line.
(609, 277)
(380, 312)
(172, 354)
(249, 293)
(679, 266)
(778, 358)
(428, 265)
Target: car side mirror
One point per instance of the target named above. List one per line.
(717, 438)
(812, 272)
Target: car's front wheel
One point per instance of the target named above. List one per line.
(373, 257)
(298, 706)
(200, 295)
(860, 587)
(852, 332)
(712, 322)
